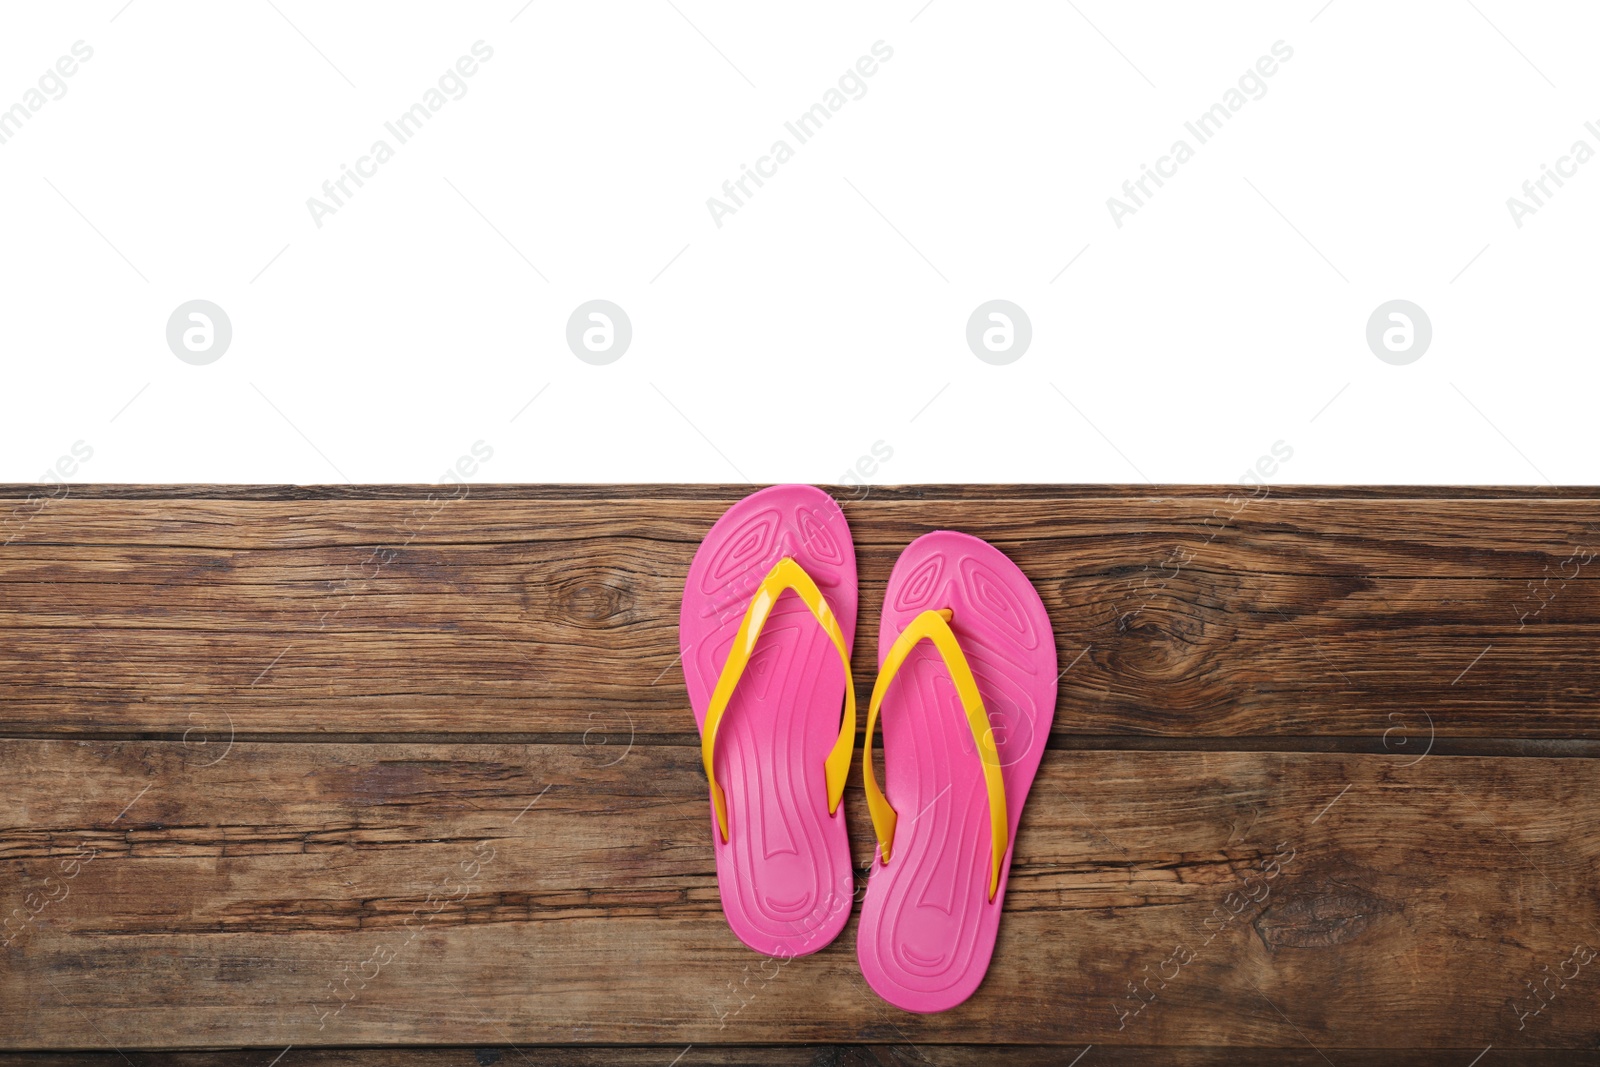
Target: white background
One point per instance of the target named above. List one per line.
(828, 314)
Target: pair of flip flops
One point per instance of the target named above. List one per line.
(966, 689)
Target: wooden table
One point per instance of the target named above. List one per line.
(414, 766)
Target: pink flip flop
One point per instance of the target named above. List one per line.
(967, 687)
(766, 628)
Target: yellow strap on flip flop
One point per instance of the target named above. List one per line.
(935, 626)
(785, 574)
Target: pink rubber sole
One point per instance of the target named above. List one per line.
(784, 874)
(927, 926)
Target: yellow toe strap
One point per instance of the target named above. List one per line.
(785, 574)
(935, 626)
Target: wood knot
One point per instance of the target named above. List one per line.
(594, 598)
(1337, 914)
(1164, 637)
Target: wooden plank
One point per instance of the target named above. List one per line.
(1341, 901)
(804, 1056)
(536, 613)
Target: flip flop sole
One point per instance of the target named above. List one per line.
(927, 926)
(784, 873)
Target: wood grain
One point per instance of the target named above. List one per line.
(806, 1056)
(329, 767)
(1358, 614)
(227, 904)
